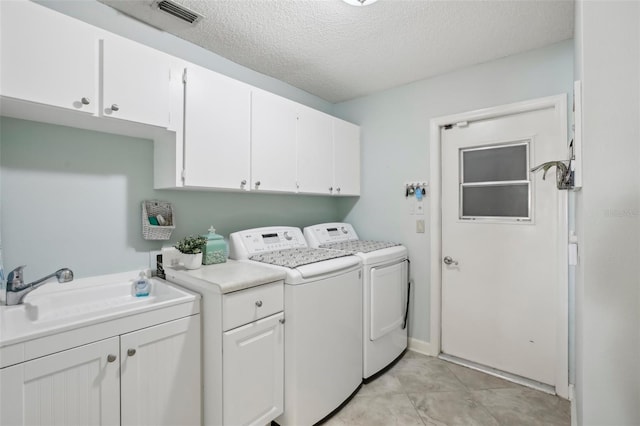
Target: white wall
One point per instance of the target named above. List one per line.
(395, 145)
(608, 215)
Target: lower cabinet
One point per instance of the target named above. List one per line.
(146, 377)
(79, 386)
(253, 372)
(160, 374)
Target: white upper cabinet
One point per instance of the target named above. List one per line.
(273, 142)
(135, 82)
(209, 131)
(47, 58)
(217, 130)
(315, 140)
(346, 158)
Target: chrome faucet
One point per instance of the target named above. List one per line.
(17, 289)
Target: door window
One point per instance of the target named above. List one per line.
(494, 182)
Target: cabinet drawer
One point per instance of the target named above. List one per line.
(244, 306)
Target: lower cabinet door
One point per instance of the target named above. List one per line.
(160, 374)
(79, 386)
(253, 372)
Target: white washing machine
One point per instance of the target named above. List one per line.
(323, 313)
(386, 289)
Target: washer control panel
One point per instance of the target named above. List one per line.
(325, 233)
(246, 243)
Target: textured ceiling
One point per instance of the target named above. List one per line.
(339, 52)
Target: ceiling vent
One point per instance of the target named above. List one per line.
(178, 11)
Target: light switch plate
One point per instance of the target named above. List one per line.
(420, 226)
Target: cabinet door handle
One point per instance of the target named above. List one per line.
(259, 303)
(257, 184)
(115, 107)
(281, 320)
(331, 189)
(85, 101)
(338, 189)
(111, 358)
(243, 183)
(131, 352)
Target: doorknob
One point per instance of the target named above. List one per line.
(449, 261)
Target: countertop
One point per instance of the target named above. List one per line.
(230, 276)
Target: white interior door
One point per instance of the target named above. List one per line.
(500, 228)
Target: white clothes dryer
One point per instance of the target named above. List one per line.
(323, 313)
(386, 291)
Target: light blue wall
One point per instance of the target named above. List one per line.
(105, 17)
(395, 144)
(72, 197)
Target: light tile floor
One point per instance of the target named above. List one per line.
(422, 390)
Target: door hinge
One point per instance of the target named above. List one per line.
(184, 76)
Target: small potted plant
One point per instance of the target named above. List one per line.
(191, 249)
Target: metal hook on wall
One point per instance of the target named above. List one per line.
(564, 176)
(413, 188)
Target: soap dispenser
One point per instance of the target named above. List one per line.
(141, 286)
(215, 249)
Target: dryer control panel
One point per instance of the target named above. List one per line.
(325, 233)
(244, 244)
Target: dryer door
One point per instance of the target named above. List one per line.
(388, 298)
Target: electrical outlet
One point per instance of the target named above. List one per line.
(153, 259)
(420, 226)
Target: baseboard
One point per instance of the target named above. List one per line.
(421, 347)
(574, 406)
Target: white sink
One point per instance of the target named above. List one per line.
(57, 307)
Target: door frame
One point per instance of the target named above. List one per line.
(559, 102)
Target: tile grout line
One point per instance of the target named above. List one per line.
(470, 392)
(404, 392)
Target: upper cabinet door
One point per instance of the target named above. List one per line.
(217, 130)
(273, 142)
(135, 82)
(315, 152)
(346, 158)
(47, 57)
